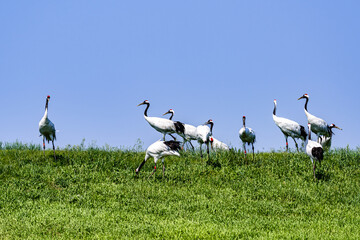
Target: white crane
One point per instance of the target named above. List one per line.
(189, 132)
(289, 128)
(47, 128)
(165, 126)
(247, 135)
(318, 125)
(326, 141)
(158, 150)
(203, 133)
(218, 145)
(314, 150)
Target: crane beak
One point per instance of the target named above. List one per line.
(300, 97)
(166, 113)
(140, 104)
(337, 127)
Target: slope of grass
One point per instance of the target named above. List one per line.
(93, 194)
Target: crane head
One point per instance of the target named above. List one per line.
(144, 102)
(334, 126)
(210, 121)
(170, 111)
(304, 96)
(48, 97)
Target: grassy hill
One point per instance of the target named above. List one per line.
(93, 194)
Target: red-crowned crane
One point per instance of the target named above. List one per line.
(218, 145)
(318, 125)
(289, 128)
(165, 126)
(247, 135)
(314, 150)
(326, 141)
(47, 128)
(158, 150)
(203, 133)
(189, 132)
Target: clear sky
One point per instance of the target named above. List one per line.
(205, 59)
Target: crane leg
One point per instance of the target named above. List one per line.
(153, 171)
(54, 149)
(191, 146)
(172, 137)
(297, 147)
(207, 149)
(244, 149)
(201, 155)
(164, 137)
(252, 144)
(314, 170)
(163, 162)
(184, 141)
(44, 146)
(287, 145)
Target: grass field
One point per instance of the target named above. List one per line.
(92, 194)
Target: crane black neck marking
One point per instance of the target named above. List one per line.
(172, 114)
(274, 112)
(243, 122)
(147, 107)
(211, 126)
(47, 103)
(309, 132)
(307, 100)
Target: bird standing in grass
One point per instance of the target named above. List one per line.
(218, 145)
(158, 150)
(314, 150)
(318, 125)
(326, 141)
(47, 128)
(203, 133)
(189, 132)
(289, 128)
(165, 126)
(247, 135)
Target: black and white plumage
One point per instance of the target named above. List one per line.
(289, 128)
(318, 125)
(314, 150)
(158, 150)
(203, 133)
(162, 125)
(47, 128)
(186, 131)
(247, 135)
(218, 145)
(326, 141)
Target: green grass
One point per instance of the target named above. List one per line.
(92, 194)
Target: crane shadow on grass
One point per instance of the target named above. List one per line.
(322, 175)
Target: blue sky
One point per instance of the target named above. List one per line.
(205, 59)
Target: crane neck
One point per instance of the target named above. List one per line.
(46, 108)
(146, 109)
(244, 122)
(172, 114)
(211, 126)
(306, 102)
(274, 112)
(309, 127)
